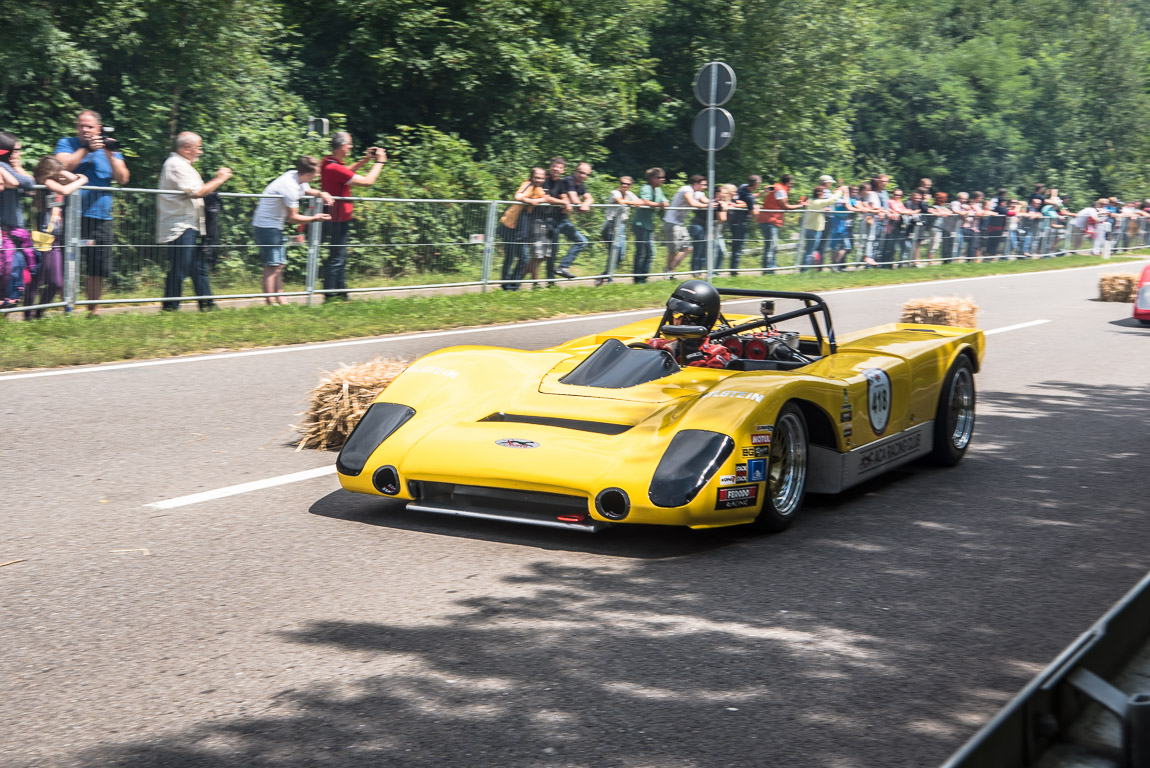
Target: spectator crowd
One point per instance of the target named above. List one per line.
(31, 259)
(873, 224)
(841, 226)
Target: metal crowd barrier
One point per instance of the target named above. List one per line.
(1042, 725)
(412, 244)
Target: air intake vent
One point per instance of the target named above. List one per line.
(599, 427)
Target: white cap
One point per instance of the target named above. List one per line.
(826, 179)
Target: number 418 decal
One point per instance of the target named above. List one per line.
(878, 399)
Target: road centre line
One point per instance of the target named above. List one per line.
(1014, 327)
(310, 474)
(235, 490)
(480, 329)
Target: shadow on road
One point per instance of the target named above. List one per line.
(626, 541)
(882, 630)
(1130, 322)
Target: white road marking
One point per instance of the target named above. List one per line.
(295, 477)
(235, 490)
(1014, 327)
(483, 329)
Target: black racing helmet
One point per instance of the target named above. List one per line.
(695, 302)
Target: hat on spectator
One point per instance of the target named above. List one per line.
(826, 179)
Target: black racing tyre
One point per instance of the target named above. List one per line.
(954, 418)
(786, 472)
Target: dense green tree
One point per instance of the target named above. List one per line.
(466, 95)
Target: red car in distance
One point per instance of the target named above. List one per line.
(1142, 298)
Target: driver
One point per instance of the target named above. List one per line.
(694, 303)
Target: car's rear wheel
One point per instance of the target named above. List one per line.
(954, 418)
(786, 472)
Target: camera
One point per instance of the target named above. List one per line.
(109, 140)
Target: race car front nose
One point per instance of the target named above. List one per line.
(689, 462)
(378, 424)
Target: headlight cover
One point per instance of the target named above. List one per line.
(691, 459)
(378, 424)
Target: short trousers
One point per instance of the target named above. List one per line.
(272, 244)
(98, 256)
(677, 237)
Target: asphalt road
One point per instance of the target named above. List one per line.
(303, 626)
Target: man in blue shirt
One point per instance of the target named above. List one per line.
(88, 153)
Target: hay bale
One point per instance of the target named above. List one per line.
(1118, 286)
(941, 310)
(342, 397)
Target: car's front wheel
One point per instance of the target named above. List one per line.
(786, 471)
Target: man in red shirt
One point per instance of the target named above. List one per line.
(770, 217)
(337, 179)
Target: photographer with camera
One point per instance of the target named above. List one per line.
(279, 203)
(94, 153)
(337, 179)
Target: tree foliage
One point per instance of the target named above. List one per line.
(466, 94)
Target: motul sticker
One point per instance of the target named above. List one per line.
(760, 439)
(878, 399)
(738, 496)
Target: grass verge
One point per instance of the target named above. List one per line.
(80, 339)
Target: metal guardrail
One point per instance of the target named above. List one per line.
(412, 244)
(1043, 713)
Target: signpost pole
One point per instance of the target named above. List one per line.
(713, 129)
(714, 88)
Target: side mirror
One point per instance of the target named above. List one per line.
(684, 331)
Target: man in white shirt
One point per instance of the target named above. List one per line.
(280, 203)
(1087, 222)
(675, 231)
(180, 220)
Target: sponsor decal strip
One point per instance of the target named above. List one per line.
(884, 454)
(736, 394)
(737, 496)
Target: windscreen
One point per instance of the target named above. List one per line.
(614, 365)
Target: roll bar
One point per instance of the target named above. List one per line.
(812, 306)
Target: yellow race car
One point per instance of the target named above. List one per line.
(696, 419)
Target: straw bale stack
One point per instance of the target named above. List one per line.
(1118, 286)
(941, 310)
(342, 397)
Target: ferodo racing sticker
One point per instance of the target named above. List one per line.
(737, 496)
(878, 399)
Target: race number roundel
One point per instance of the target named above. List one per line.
(878, 397)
